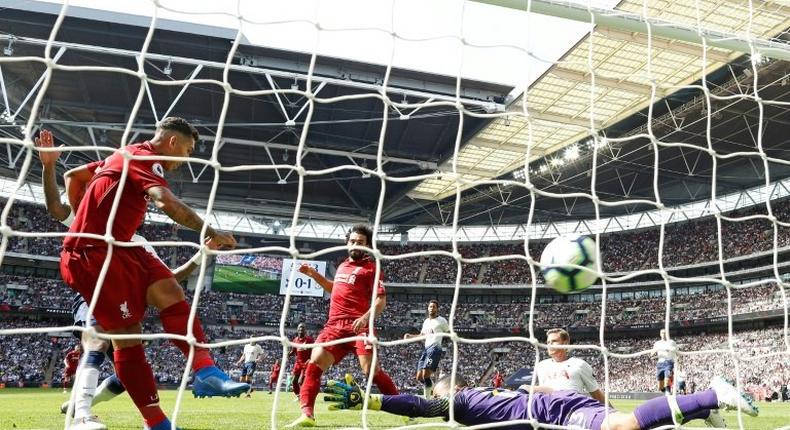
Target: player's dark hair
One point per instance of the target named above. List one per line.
(363, 229)
(562, 332)
(180, 125)
(434, 301)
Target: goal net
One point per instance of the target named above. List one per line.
(600, 94)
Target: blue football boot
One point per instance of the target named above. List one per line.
(212, 382)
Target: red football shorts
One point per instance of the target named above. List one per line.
(69, 371)
(340, 331)
(123, 295)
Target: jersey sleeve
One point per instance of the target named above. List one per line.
(94, 166)
(147, 174)
(538, 370)
(586, 375)
(444, 327)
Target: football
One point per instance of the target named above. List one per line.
(566, 251)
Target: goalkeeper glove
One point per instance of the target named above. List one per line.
(348, 395)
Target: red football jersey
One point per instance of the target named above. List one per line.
(276, 369)
(94, 210)
(72, 358)
(353, 289)
(302, 354)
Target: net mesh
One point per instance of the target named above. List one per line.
(525, 112)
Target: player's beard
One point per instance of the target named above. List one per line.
(356, 254)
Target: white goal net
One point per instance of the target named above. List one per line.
(613, 80)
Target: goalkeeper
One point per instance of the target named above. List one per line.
(475, 406)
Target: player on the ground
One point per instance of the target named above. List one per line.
(302, 356)
(349, 315)
(249, 359)
(666, 351)
(134, 278)
(96, 349)
(274, 375)
(70, 363)
(432, 328)
(477, 406)
(498, 380)
(561, 372)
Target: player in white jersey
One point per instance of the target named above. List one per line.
(96, 350)
(432, 328)
(666, 351)
(680, 381)
(564, 373)
(249, 357)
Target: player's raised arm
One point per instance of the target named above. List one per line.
(49, 182)
(310, 271)
(172, 206)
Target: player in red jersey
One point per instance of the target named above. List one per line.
(274, 375)
(349, 316)
(498, 380)
(71, 361)
(302, 357)
(134, 277)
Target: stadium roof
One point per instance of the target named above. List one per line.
(93, 107)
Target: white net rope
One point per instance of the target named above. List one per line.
(460, 182)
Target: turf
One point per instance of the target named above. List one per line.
(39, 409)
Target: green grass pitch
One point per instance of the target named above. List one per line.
(39, 409)
(243, 280)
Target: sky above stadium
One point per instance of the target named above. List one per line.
(360, 30)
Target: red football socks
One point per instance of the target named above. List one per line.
(385, 384)
(295, 385)
(309, 391)
(135, 374)
(174, 321)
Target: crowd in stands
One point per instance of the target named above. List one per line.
(24, 358)
(257, 262)
(249, 309)
(25, 217)
(760, 357)
(27, 358)
(684, 244)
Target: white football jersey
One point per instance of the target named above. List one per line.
(252, 352)
(680, 376)
(430, 327)
(572, 374)
(666, 350)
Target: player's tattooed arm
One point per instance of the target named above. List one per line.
(167, 202)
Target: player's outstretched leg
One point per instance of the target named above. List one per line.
(85, 388)
(681, 409)
(730, 399)
(209, 381)
(135, 373)
(108, 389)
